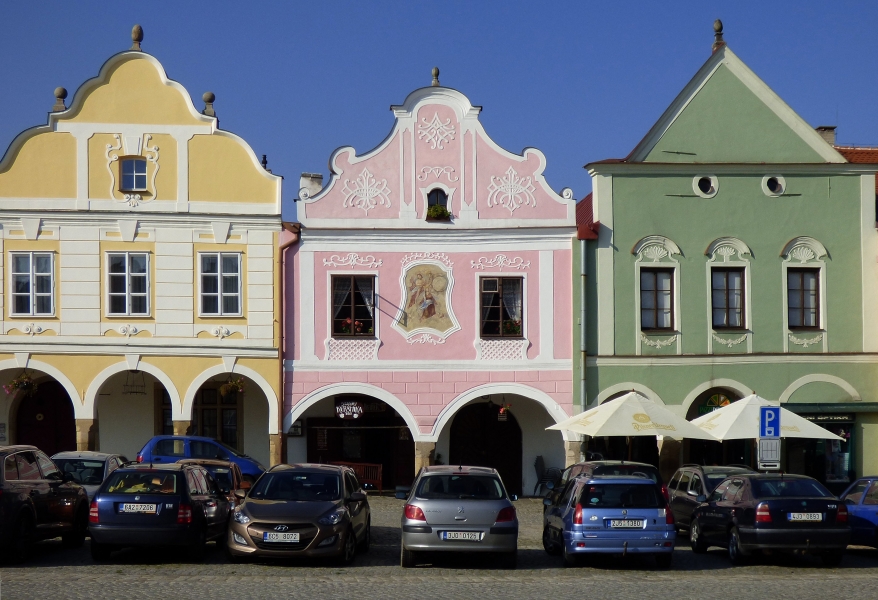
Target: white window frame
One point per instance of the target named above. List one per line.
(657, 252)
(729, 252)
(805, 252)
(108, 295)
(33, 294)
(219, 295)
(136, 174)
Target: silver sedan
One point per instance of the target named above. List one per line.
(458, 509)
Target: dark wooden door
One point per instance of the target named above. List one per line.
(480, 439)
(46, 419)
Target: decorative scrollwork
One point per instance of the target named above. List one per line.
(441, 257)
(352, 259)
(437, 172)
(802, 254)
(435, 132)
(221, 332)
(32, 329)
(657, 343)
(805, 343)
(151, 154)
(128, 330)
(113, 156)
(502, 350)
(425, 338)
(654, 253)
(367, 192)
(511, 191)
(352, 349)
(498, 262)
(728, 342)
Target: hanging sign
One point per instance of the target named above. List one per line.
(348, 409)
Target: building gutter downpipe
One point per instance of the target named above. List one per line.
(293, 228)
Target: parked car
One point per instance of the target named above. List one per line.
(226, 474)
(610, 515)
(302, 510)
(458, 509)
(755, 511)
(692, 481)
(157, 505)
(595, 468)
(861, 499)
(37, 502)
(171, 448)
(88, 469)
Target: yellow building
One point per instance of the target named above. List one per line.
(140, 265)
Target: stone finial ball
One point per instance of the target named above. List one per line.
(137, 34)
(208, 97)
(435, 72)
(60, 93)
(718, 26)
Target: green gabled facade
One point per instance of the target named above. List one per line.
(729, 196)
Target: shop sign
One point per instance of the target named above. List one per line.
(348, 409)
(823, 418)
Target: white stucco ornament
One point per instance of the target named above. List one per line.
(435, 132)
(366, 193)
(511, 191)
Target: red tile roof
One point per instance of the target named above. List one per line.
(860, 154)
(586, 228)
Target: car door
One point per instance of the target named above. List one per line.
(218, 505)
(168, 450)
(36, 487)
(210, 505)
(727, 509)
(556, 512)
(709, 515)
(678, 497)
(63, 496)
(356, 508)
(858, 513)
(689, 500)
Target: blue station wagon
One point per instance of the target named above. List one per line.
(609, 515)
(171, 448)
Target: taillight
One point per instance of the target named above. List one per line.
(842, 515)
(577, 516)
(669, 515)
(184, 514)
(140, 458)
(414, 513)
(505, 515)
(93, 516)
(763, 515)
(665, 493)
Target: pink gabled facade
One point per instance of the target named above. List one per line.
(445, 316)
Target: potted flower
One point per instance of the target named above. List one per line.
(437, 212)
(22, 382)
(353, 327)
(232, 386)
(512, 328)
(504, 408)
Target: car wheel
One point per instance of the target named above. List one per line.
(196, 550)
(406, 558)
(570, 560)
(696, 538)
(832, 559)
(349, 549)
(509, 560)
(22, 539)
(76, 538)
(549, 546)
(366, 542)
(100, 552)
(737, 555)
(663, 561)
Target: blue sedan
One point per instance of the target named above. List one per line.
(861, 499)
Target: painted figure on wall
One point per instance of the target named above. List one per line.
(426, 301)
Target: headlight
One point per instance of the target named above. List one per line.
(332, 518)
(240, 517)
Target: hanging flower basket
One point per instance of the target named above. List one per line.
(22, 382)
(232, 386)
(503, 414)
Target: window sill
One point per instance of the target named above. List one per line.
(502, 337)
(354, 337)
(731, 330)
(806, 329)
(659, 331)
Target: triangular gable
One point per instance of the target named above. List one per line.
(726, 114)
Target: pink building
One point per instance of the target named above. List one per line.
(414, 336)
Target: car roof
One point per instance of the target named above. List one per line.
(16, 448)
(729, 470)
(145, 466)
(459, 469)
(616, 479)
(84, 454)
(199, 438)
(749, 475)
(613, 463)
(309, 467)
(206, 462)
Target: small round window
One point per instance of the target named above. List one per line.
(774, 185)
(705, 186)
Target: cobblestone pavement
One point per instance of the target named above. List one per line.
(53, 572)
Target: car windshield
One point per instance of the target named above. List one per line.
(231, 450)
(620, 495)
(222, 475)
(459, 486)
(302, 486)
(714, 479)
(83, 472)
(141, 482)
(636, 470)
(788, 488)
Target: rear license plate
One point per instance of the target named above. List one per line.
(805, 517)
(280, 537)
(462, 536)
(626, 523)
(148, 509)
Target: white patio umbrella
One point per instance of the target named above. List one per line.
(740, 421)
(632, 415)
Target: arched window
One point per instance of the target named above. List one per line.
(437, 197)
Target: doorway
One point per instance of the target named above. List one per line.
(46, 419)
(483, 437)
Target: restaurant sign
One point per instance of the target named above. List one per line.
(830, 418)
(348, 409)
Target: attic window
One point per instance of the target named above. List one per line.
(705, 186)
(133, 175)
(437, 197)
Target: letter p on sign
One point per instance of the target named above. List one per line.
(769, 421)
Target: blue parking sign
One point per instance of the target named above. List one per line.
(769, 421)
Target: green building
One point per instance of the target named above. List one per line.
(734, 250)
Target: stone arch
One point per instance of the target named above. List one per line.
(731, 384)
(367, 389)
(185, 413)
(821, 377)
(101, 378)
(444, 418)
(627, 387)
(80, 411)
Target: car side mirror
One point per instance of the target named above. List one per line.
(244, 485)
(547, 501)
(240, 494)
(701, 498)
(514, 497)
(401, 495)
(550, 485)
(357, 497)
(67, 477)
(402, 492)
(693, 493)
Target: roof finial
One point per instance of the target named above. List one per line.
(136, 37)
(209, 99)
(435, 76)
(60, 94)
(718, 41)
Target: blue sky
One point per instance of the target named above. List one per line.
(582, 81)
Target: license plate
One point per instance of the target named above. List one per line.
(462, 536)
(280, 537)
(805, 516)
(626, 523)
(138, 508)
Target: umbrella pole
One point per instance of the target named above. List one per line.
(628, 447)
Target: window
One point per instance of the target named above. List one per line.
(169, 448)
(727, 293)
(220, 284)
(502, 304)
(216, 417)
(656, 291)
(134, 175)
(684, 480)
(803, 298)
(353, 305)
(696, 486)
(32, 283)
(27, 466)
(128, 283)
(50, 471)
(437, 197)
(10, 470)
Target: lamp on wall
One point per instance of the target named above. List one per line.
(295, 429)
(135, 384)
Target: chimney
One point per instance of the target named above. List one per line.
(827, 132)
(310, 185)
